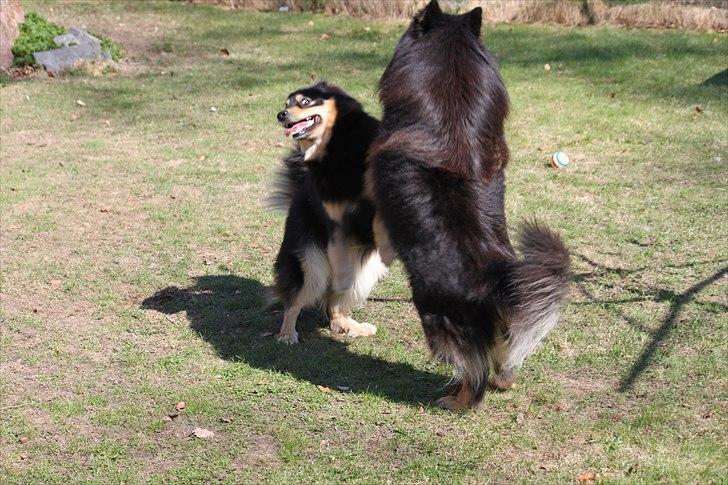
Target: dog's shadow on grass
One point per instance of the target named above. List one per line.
(228, 311)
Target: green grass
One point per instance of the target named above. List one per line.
(135, 248)
(36, 34)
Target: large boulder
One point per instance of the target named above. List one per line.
(77, 46)
(11, 14)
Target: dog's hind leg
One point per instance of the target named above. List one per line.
(367, 271)
(456, 345)
(502, 377)
(383, 243)
(341, 321)
(341, 258)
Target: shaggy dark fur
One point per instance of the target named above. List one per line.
(437, 179)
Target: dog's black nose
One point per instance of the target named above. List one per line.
(282, 115)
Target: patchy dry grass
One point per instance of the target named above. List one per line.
(665, 14)
(134, 249)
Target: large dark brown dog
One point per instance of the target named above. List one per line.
(436, 175)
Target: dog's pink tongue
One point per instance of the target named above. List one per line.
(295, 128)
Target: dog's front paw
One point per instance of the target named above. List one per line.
(288, 338)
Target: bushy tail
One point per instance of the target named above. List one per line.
(536, 288)
(288, 179)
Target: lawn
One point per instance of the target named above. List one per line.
(135, 248)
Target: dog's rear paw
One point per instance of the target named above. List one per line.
(503, 381)
(288, 338)
(363, 329)
(352, 328)
(452, 404)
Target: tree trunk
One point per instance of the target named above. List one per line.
(11, 14)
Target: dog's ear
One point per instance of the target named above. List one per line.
(426, 18)
(474, 20)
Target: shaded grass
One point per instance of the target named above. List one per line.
(134, 249)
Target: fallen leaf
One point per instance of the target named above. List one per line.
(202, 433)
(180, 405)
(547, 67)
(586, 477)
(171, 416)
(224, 52)
(323, 388)
(23, 439)
(698, 109)
(166, 418)
(440, 432)
(708, 414)
(23, 456)
(262, 383)
(226, 420)
(325, 36)
(80, 103)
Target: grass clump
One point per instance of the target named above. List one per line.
(36, 34)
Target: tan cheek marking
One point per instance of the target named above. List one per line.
(296, 112)
(329, 114)
(298, 98)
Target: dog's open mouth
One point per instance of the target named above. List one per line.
(299, 128)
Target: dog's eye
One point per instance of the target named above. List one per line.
(304, 102)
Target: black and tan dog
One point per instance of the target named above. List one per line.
(436, 176)
(327, 256)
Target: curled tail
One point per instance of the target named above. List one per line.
(288, 180)
(536, 288)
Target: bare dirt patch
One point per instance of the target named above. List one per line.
(261, 451)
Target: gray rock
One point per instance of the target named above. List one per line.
(83, 36)
(87, 48)
(65, 40)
